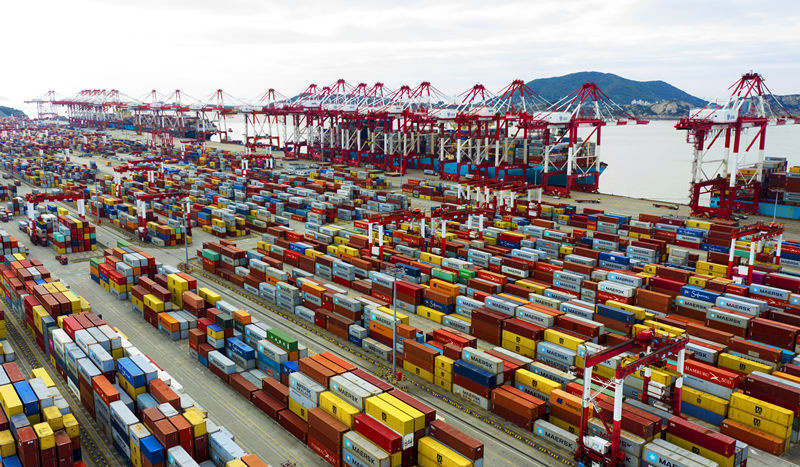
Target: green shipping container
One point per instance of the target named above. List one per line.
(224, 320)
(282, 340)
(466, 274)
(596, 388)
(443, 275)
(122, 244)
(210, 254)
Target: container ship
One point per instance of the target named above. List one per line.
(193, 128)
(778, 194)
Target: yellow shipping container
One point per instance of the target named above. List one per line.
(431, 258)
(53, 417)
(701, 451)
(298, 409)
(538, 382)
(443, 375)
(518, 340)
(529, 352)
(430, 313)
(7, 445)
(443, 363)
(337, 407)
(197, 420)
(765, 410)
(395, 419)
(536, 288)
(434, 453)
(444, 383)
(704, 400)
(564, 340)
(12, 405)
(415, 370)
(42, 374)
(759, 423)
(695, 224)
(45, 434)
(562, 424)
(742, 365)
(71, 426)
(419, 417)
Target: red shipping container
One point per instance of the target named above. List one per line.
(293, 424)
(201, 448)
(713, 441)
(184, 428)
(460, 442)
(378, 433)
(329, 456)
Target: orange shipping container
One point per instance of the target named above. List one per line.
(384, 331)
(241, 316)
(567, 401)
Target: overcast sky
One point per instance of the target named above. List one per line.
(247, 46)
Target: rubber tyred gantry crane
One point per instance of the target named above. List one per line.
(136, 166)
(758, 233)
(244, 162)
(141, 199)
(31, 199)
(657, 350)
(751, 105)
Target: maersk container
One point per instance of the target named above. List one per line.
(555, 435)
(84, 339)
(178, 457)
(222, 362)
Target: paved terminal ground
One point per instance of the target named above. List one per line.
(254, 430)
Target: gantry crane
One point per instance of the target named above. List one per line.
(244, 161)
(656, 350)
(138, 166)
(751, 105)
(580, 168)
(143, 198)
(31, 199)
(500, 196)
(758, 233)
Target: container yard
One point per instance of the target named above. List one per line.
(328, 303)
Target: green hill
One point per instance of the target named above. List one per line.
(8, 112)
(621, 90)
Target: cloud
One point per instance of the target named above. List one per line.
(247, 46)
